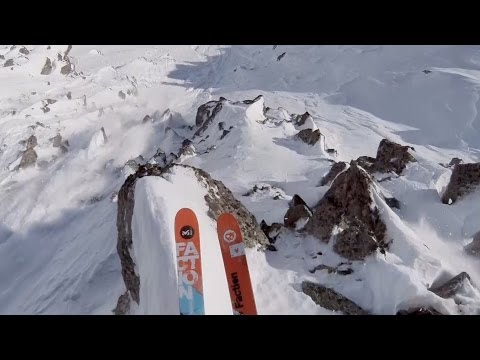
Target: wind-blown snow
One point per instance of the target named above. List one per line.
(58, 223)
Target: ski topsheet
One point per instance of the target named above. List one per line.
(189, 264)
(236, 267)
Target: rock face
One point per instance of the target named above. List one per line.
(465, 179)
(390, 157)
(298, 214)
(31, 142)
(336, 169)
(8, 63)
(452, 286)
(24, 51)
(206, 113)
(419, 311)
(218, 199)
(331, 300)
(47, 68)
(309, 136)
(348, 204)
(474, 247)
(29, 158)
(301, 119)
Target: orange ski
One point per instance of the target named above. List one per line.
(189, 265)
(236, 267)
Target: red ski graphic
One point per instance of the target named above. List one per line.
(236, 267)
(189, 264)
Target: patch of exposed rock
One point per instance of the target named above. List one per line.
(465, 179)
(331, 300)
(349, 208)
(336, 169)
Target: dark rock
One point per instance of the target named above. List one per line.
(105, 138)
(296, 213)
(45, 109)
(452, 286)
(419, 311)
(59, 57)
(49, 47)
(349, 205)
(474, 247)
(336, 169)
(66, 69)
(332, 152)
(24, 51)
(2, 57)
(123, 304)
(31, 142)
(331, 300)
(271, 247)
(40, 124)
(426, 71)
(224, 133)
(67, 52)
(63, 149)
(367, 162)
(301, 119)
(47, 68)
(146, 119)
(50, 101)
(455, 161)
(392, 202)
(8, 63)
(465, 179)
(221, 125)
(205, 115)
(57, 140)
(186, 142)
(308, 136)
(392, 157)
(281, 56)
(297, 200)
(33, 93)
(122, 95)
(29, 158)
(249, 102)
(69, 95)
(356, 242)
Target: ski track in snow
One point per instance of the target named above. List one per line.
(58, 222)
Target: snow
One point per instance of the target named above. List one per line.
(58, 223)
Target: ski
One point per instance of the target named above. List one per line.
(236, 267)
(189, 263)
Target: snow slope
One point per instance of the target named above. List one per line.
(58, 218)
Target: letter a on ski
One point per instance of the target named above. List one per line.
(189, 264)
(236, 267)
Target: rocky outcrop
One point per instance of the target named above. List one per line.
(465, 179)
(300, 120)
(271, 231)
(218, 199)
(206, 113)
(452, 286)
(47, 68)
(298, 214)
(474, 247)
(309, 136)
(390, 157)
(331, 300)
(419, 311)
(348, 205)
(31, 142)
(8, 63)
(23, 50)
(122, 95)
(123, 305)
(336, 169)
(29, 158)
(455, 161)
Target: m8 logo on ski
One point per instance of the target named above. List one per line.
(187, 232)
(187, 256)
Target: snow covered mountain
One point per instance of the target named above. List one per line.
(354, 171)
